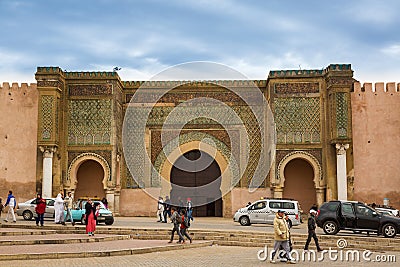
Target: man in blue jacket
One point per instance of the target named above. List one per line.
(11, 203)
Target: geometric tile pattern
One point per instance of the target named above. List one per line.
(341, 115)
(297, 119)
(295, 88)
(158, 115)
(47, 116)
(89, 122)
(187, 138)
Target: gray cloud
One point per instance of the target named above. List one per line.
(143, 37)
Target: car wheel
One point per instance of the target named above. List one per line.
(389, 230)
(27, 215)
(290, 224)
(244, 220)
(83, 221)
(109, 222)
(330, 228)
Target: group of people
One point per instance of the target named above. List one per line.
(181, 222)
(61, 204)
(11, 203)
(283, 243)
(164, 208)
(180, 215)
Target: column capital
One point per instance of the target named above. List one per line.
(341, 148)
(48, 151)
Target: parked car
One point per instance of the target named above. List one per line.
(27, 209)
(334, 216)
(392, 211)
(78, 213)
(264, 210)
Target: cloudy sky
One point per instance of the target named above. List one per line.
(254, 37)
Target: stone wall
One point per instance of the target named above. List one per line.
(376, 137)
(136, 202)
(18, 140)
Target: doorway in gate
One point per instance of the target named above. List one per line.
(187, 183)
(90, 176)
(299, 183)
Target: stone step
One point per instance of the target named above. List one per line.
(59, 239)
(96, 249)
(22, 232)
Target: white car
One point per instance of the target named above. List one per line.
(264, 210)
(394, 212)
(27, 209)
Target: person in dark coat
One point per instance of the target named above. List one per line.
(40, 209)
(311, 231)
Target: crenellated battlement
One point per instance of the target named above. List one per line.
(17, 87)
(378, 87)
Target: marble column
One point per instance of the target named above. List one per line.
(47, 182)
(341, 171)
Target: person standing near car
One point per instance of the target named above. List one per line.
(281, 237)
(92, 212)
(11, 203)
(40, 209)
(59, 209)
(68, 202)
(311, 231)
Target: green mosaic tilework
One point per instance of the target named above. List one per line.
(47, 106)
(158, 116)
(297, 119)
(341, 115)
(89, 122)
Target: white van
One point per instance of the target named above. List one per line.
(264, 210)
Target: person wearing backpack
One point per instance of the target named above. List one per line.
(184, 226)
(176, 220)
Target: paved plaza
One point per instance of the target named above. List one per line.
(206, 256)
(156, 252)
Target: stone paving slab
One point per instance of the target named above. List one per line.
(94, 249)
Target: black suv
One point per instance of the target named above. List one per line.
(334, 216)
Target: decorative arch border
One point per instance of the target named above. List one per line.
(190, 141)
(78, 160)
(313, 161)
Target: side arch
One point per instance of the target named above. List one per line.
(78, 160)
(318, 179)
